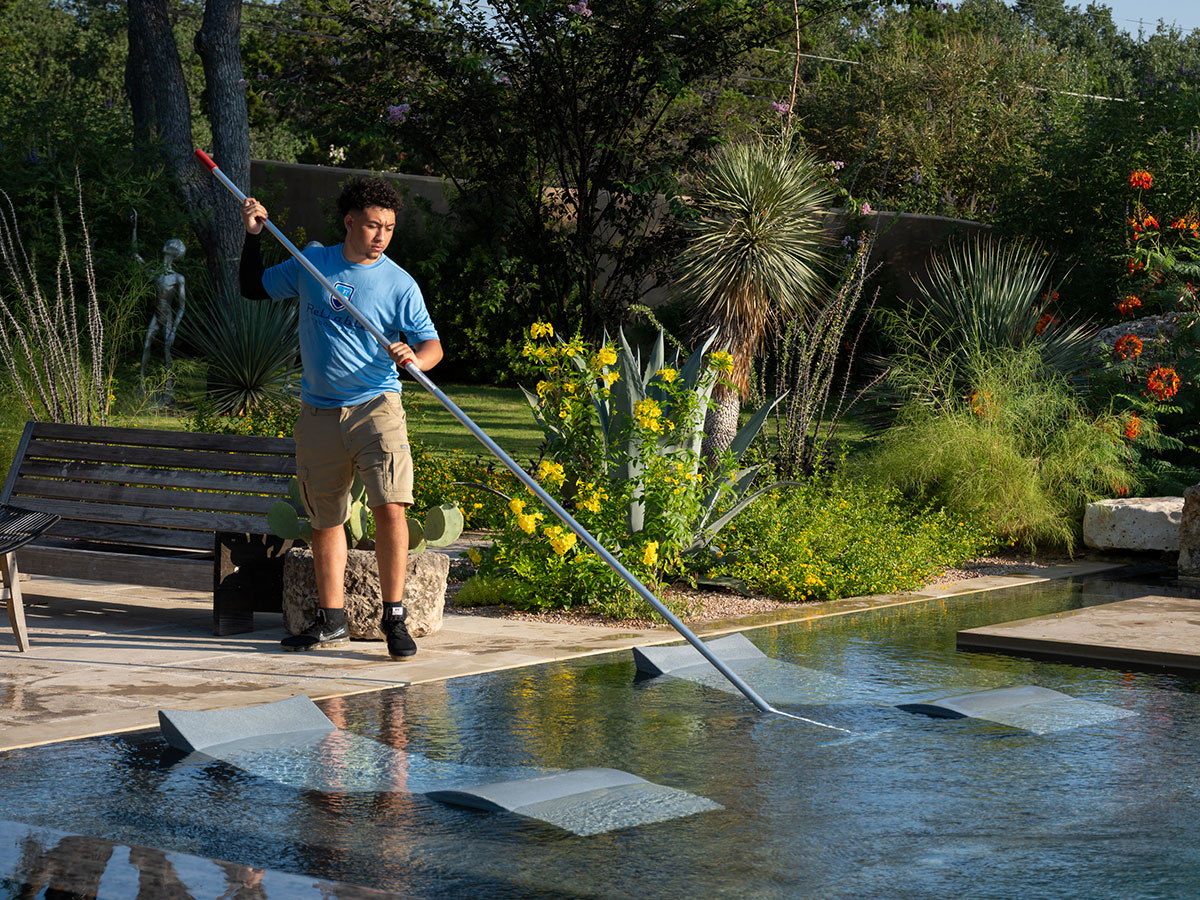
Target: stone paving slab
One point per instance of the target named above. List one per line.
(105, 658)
(1145, 630)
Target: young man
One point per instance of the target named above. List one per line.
(350, 413)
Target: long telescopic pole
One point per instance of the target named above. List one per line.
(524, 477)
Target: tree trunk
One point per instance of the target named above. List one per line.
(155, 71)
(218, 43)
(721, 423)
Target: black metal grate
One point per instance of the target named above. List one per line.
(20, 526)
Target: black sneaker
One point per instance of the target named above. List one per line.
(328, 631)
(399, 642)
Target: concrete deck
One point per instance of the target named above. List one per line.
(1143, 631)
(105, 658)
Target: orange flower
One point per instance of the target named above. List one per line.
(1128, 304)
(1135, 265)
(1163, 382)
(1141, 180)
(982, 402)
(1047, 321)
(1189, 221)
(1133, 427)
(1127, 346)
(1142, 219)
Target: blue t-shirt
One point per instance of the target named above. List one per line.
(343, 363)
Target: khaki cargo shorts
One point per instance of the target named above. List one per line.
(332, 443)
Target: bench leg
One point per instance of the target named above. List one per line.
(12, 596)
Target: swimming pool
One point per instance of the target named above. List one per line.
(912, 807)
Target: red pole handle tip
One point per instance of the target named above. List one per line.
(206, 159)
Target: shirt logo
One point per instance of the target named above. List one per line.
(344, 291)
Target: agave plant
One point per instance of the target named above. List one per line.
(755, 254)
(252, 349)
(726, 491)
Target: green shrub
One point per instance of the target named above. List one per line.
(623, 454)
(1018, 448)
(838, 537)
(479, 485)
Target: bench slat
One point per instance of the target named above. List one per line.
(125, 568)
(139, 515)
(162, 498)
(150, 437)
(171, 459)
(34, 471)
(129, 535)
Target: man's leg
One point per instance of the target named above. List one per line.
(391, 554)
(391, 549)
(329, 563)
(326, 472)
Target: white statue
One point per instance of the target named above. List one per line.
(170, 298)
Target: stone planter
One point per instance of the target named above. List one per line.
(424, 593)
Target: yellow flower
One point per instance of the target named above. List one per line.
(560, 541)
(528, 524)
(607, 356)
(543, 388)
(648, 414)
(609, 378)
(474, 556)
(722, 361)
(668, 375)
(552, 472)
(541, 329)
(650, 554)
(517, 505)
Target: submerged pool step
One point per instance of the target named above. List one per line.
(1031, 708)
(291, 742)
(582, 801)
(778, 682)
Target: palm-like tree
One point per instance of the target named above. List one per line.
(755, 255)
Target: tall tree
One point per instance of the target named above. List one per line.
(162, 114)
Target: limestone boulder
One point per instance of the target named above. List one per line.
(424, 593)
(1133, 523)
(1189, 534)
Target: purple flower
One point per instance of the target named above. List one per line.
(836, 164)
(397, 114)
(866, 209)
(241, 81)
(781, 108)
(261, 76)
(580, 9)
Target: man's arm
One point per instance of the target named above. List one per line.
(250, 268)
(426, 354)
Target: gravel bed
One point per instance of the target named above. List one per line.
(701, 606)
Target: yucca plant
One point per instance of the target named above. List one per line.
(755, 254)
(988, 295)
(252, 349)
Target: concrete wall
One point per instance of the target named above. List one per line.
(301, 200)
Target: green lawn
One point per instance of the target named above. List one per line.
(501, 412)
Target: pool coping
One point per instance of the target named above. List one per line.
(105, 658)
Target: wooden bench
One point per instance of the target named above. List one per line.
(159, 508)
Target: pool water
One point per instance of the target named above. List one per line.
(908, 807)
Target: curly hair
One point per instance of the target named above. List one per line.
(360, 193)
